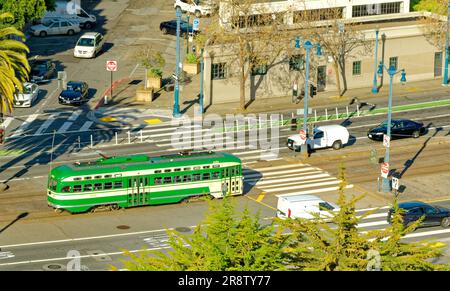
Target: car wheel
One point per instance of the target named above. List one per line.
(445, 222)
(164, 31)
(43, 33)
(416, 134)
(337, 145)
(70, 32)
(88, 25)
(198, 13)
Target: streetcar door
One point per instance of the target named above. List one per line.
(136, 191)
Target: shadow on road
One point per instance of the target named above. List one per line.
(19, 217)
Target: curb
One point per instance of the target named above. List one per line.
(108, 91)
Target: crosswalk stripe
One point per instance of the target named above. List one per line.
(7, 122)
(86, 126)
(46, 124)
(275, 168)
(65, 127)
(278, 173)
(316, 190)
(303, 186)
(74, 115)
(25, 125)
(271, 181)
(374, 223)
(294, 183)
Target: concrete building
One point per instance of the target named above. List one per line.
(402, 44)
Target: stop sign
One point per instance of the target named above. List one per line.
(384, 170)
(111, 66)
(302, 134)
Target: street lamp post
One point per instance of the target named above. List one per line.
(187, 35)
(386, 187)
(176, 105)
(308, 46)
(200, 101)
(445, 79)
(375, 86)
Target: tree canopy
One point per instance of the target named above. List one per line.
(25, 11)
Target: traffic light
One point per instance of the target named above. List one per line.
(312, 90)
(2, 131)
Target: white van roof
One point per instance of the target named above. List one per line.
(299, 198)
(90, 35)
(330, 127)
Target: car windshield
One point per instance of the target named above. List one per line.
(38, 68)
(74, 87)
(86, 42)
(27, 89)
(384, 124)
(47, 22)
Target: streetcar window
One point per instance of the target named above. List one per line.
(232, 172)
(187, 178)
(108, 185)
(65, 189)
(215, 175)
(167, 171)
(146, 181)
(206, 176)
(118, 175)
(187, 169)
(196, 168)
(232, 189)
(77, 188)
(177, 169)
(53, 185)
(177, 179)
(157, 171)
(98, 177)
(97, 186)
(77, 179)
(216, 166)
(167, 180)
(158, 181)
(117, 184)
(129, 183)
(108, 176)
(196, 177)
(232, 183)
(88, 187)
(206, 167)
(226, 172)
(87, 178)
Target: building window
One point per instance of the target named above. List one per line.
(296, 63)
(259, 69)
(376, 9)
(219, 71)
(393, 62)
(318, 14)
(356, 68)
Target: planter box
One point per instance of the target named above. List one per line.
(154, 83)
(144, 95)
(192, 69)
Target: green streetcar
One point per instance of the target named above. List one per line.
(128, 181)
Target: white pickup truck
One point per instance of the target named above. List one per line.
(334, 136)
(304, 206)
(198, 8)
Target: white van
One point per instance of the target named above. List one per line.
(334, 136)
(303, 206)
(89, 45)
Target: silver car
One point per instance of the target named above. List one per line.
(29, 95)
(54, 27)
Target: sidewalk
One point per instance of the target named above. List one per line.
(124, 98)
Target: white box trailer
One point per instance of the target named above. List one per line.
(303, 206)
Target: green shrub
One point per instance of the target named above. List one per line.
(191, 58)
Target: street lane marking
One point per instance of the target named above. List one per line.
(275, 168)
(375, 223)
(6, 122)
(25, 125)
(6, 255)
(308, 180)
(74, 115)
(263, 181)
(153, 121)
(261, 197)
(317, 190)
(306, 185)
(259, 175)
(46, 124)
(65, 127)
(86, 126)
(108, 119)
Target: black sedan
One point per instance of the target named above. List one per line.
(75, 94)
(171, 27)
(42, 71)
(412, 211)
(399, 128)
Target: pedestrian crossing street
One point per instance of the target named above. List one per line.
(43, 124)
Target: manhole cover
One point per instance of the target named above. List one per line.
(54, 267)
(123, 227)
(183, 229)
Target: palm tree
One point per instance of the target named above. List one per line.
(14, 67)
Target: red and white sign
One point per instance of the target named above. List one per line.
(111, 66)
(302, 134)
(384, 170)
(386, 140)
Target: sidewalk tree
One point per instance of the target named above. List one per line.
(25, 11)
(14, 67)
(435, 24)
(251, 42)
(153, 62)
(224, 241)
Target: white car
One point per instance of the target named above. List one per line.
(304, 206)
(203, 8)
(29, 95)
(335, 136)
(54, 27)
(89, 45)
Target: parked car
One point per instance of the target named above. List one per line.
(196, 7)
(171, 27)
(89, 45)
(412, 211)
(325, 136)
(27, 97)
(399, 128)
(304, 206)
(42, 71)
(75, 94)
(55, 26)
